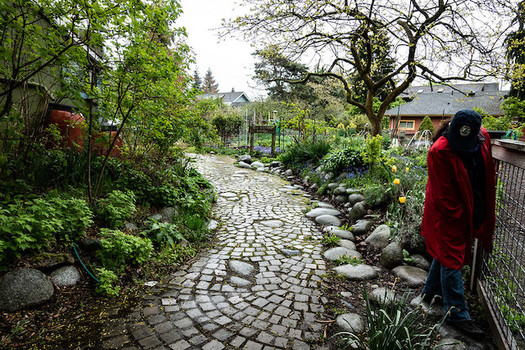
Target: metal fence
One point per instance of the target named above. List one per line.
(499, 277)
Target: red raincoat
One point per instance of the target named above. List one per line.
(447, 219)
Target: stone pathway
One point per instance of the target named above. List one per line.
(258, 288)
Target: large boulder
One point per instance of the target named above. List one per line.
(23, 288)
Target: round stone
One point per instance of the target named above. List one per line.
(340, 252)
(241, 282)
(361, 227)
(346, 244)
(380, 238)
(240, 267)
(65, 276)
(359, 272)
(339, 232)
(24, 288)
(413, 276)
(351, 322)
(325, 205)
(383, 296)
(322, 211)
(328, 220)
(392, 255)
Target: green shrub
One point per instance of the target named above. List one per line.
(120, 249)
(116, 208)
(372, 152)
(310, 152)
(196, 227)
(426, 124)
(163, 233)
(37, 225)
(339, 160)
(106, 279)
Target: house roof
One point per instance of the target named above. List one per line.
(441, 100)
(234, 98)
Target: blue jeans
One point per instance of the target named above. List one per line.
(448, 283)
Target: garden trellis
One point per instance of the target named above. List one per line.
(499, 277)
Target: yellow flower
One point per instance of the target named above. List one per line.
(406, 169)
(396, 182)
(394, 168)
(402, 200)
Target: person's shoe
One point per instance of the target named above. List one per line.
(435, 300)
(467, 328)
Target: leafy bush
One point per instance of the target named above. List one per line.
(310, 152)
(106, 279)
(163, 233)
(116, 208)
(36, 225)
(426, 124)
(393, 326)
(372, 152)
(338, 160)
(120, 249)
(196, 228)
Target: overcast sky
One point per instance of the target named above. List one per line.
(230, 60)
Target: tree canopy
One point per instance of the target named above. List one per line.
(384, 45)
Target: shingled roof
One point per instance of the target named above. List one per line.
(444, 101)
(234, 98)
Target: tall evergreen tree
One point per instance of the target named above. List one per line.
(209, 84)
(197, 81)
(515, 42)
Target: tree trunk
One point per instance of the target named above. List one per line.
(376, 124)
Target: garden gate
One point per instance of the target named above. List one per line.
(499, 277)
(262, 129)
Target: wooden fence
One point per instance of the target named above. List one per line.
(499, 277)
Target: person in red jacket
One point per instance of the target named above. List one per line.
(459, 206)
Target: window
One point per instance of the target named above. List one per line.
(406, 125)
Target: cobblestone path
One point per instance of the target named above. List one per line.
(257, 288)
